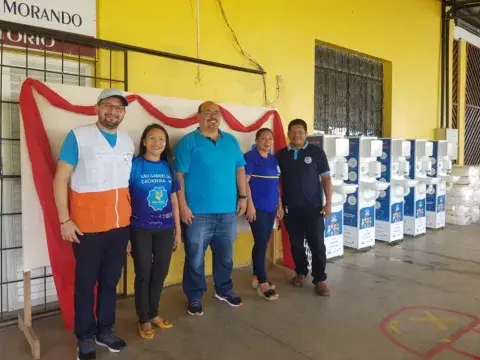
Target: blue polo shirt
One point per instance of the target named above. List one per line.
(264, 177)
(151, 184)
(301, 170)
(210, 171)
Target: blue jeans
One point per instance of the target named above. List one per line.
(218, 231)
(261, 230)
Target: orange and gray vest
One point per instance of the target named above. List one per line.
(99, 194)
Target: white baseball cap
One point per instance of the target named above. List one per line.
(108, 93)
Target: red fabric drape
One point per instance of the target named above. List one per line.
(43, 169)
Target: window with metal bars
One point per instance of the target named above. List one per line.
(51, 60)
(455, 85)
(472, 108)
(348, 93)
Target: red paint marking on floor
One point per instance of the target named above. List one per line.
(471, 356)
(384, 328)
(455, 337)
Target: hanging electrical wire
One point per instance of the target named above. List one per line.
(251, 59)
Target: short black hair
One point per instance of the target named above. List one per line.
(296, 122)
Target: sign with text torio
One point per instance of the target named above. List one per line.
(71, 16)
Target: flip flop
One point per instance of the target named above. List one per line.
(255, 284)
(165, 324)
(146, 334)
(267, 295)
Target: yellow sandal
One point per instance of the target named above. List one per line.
(146, 334)
(164, 324)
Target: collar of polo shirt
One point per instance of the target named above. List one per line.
(220, 134)
(289, 146)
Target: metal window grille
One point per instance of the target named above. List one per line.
(472, 111)
(34, 55)
(348, 93)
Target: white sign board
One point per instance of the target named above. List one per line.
(58, 122)
(73, 16)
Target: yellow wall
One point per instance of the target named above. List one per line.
(281, 36)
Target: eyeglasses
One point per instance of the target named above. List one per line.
(214, 113)
(110, 107)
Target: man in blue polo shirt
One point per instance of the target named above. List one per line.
(305, 177)
(213, 188)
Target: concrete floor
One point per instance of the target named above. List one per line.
(385, 304)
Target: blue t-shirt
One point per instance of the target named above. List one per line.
(69, 150)
(151, 184)
(264, 177)
(210, 171)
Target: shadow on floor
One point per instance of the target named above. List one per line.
(440, 270)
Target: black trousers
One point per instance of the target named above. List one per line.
(99, 257)
(307, 225)
(261, 230)
(151, 252)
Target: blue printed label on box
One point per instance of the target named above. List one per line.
(397, 213)
(431, 200)
(420, 208)
(409, 203)
(441, 204)
(333, 224)
(350, 210)
(367, 219)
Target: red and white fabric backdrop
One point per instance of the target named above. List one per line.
(49, 111)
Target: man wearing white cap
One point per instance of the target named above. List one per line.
(92, 198)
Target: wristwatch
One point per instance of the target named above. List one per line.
(243, 197)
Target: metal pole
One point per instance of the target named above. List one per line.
(442, 85)
(99, 43)
(447, 72)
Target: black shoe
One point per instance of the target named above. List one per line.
(231, 299)
(195, 308)
(86, 350)
(109, 340)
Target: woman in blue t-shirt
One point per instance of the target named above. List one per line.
(155, 224)
(264, 204)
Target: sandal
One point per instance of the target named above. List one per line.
(147, 333)
(255, 283)
(267, 295)
(164, 324)
(298, 280)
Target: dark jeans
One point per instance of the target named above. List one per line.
(308, 225)
(151, 253)
(99, 257)
(261, 230)
(219, 232)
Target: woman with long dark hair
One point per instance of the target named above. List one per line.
(264, 204)
(155, 224)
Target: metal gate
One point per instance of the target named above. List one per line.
(472, 110)
(348, 93)
(34, 55)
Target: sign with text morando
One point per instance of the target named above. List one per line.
(73, 16)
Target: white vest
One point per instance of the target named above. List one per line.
(101, 167)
